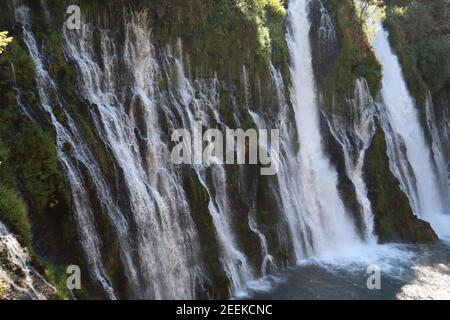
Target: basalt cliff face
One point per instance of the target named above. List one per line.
(87, 115)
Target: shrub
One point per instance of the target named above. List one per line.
(4, 40)
(433, 61)
(13, 212)
(423, 55)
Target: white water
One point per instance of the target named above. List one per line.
(165, 237)
(324, 216)
(439, 148)
(410, 157)
(288, 177)
(429, 283)
(161, 255)
(327, 32)
(268, 259)
(355, 138)
(18, 272)
(205, 109)
(82, 208)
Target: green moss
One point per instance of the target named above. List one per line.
(81, 116)
(424, 56)
(267, 213)
(23, 64)
(3, 290)
(218, 37)
(394, 219)
(13, 211)
(37, 167)
(433, 61)
(355, 58)
(33, 193)
(199, 202)
(56, 275)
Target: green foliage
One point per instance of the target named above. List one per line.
(23, 65)
(394, 219)
(3, 289)
(257, 11)
(58, 277)
(27, 152)
(37, 167)
(355, 59)
(13, 211)
(4, 40)
(433, 61)
(222, 35)
(424, 56)
(28, 159)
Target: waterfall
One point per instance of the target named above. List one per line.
(165, 237)
(288, 176)
(440, 156)
(131, 201)
(355, 137)
(19, 97)
(16, 269)
(410, 157)
(205, 108)
(325, 219)
(327, 31)
(47, 91)
(260, 123)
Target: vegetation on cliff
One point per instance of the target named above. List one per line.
(34, 199)
(351, 57)
(418, 34)
(218, 38)
(394, 219)
(4, 40)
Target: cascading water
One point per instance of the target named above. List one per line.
(439, 143)
(268, 259)
(162, 259)
(205, 109)
(355, 138)
(136, 211)
(352, 127)
(325, 219)
(82, 207)
(17, 272)
(165, 237)
(410, 157)
(288, 176)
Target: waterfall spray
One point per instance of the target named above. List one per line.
(411, 158)
(327, 222)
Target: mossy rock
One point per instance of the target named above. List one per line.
(340, 61)
(394, 218)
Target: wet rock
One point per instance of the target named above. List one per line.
(394, 218)
(19, 279)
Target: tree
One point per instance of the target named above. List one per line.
(4, 40)
(365, 5)
(433, 61)
(370, 12)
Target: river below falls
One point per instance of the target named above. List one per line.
(406, 272)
